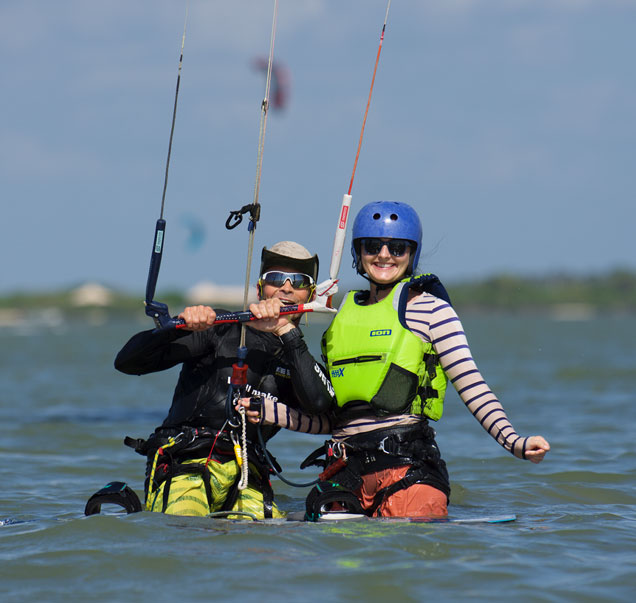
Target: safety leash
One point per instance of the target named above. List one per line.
(240, 450)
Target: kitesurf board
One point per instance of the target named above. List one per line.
(485, 519)
(464, 520)
(335, 516)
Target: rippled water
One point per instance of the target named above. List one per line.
(65, 411)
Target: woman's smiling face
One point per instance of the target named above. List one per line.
(382, 267)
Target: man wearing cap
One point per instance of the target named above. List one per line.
(191, 464)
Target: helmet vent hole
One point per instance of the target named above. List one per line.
(376, 216)
(394, 217)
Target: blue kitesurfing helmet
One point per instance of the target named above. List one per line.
(387, 220)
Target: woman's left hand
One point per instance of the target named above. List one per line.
(536, 448)
(253, 416)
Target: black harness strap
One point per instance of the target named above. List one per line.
(430, 360)
(187, 439)
(177, 469)
(265, 489)
(268, 496)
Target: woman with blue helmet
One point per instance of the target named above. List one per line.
(389, 352)
(387, 220)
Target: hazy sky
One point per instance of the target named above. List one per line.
(508, 124)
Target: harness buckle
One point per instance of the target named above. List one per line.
(336, 450)
(185, 437)
(388, 445)
(381, 446)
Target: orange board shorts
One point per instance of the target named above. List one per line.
(418, 500)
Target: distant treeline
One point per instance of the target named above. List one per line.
(64, 299)
(613, 291)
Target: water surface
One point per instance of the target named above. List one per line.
(65, 411)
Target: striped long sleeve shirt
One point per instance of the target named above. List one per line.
(434, 321)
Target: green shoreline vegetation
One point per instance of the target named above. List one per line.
(562, 295)
(613, 291)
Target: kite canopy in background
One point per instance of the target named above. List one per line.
(279, 93)
(195, 230)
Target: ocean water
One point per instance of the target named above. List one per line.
(65, 411)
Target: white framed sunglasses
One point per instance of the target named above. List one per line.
(277, 278)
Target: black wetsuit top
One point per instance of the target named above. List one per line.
(281, 368)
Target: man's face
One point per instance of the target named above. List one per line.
(286, 292)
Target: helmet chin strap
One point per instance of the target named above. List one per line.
(381, 286)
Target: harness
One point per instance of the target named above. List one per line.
(347, 461)
(167, 448)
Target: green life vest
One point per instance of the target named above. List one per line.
(371, 356)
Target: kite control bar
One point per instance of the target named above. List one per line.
(165, 322)
(246, 315)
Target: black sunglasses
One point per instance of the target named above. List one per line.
(396, 247)
(298, 280)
